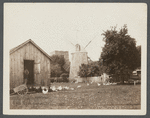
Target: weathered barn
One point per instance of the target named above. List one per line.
(29, 55)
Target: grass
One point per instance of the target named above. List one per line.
(86, 97)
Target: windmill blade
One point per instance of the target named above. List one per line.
(90, 41)
(70, 42)
(87, 44)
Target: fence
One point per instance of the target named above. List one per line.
(91, 79)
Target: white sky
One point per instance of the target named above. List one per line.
(50, 25)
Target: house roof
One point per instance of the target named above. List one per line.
(29, 41)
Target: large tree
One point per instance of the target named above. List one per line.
(58, 59)
(56, 70)
(119, 53)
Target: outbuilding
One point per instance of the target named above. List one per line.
(29, 55)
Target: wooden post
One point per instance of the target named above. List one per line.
(134, 82)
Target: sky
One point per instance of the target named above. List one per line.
(52, 26)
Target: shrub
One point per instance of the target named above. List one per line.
(64, 77)
(52, 80)
(59, 79)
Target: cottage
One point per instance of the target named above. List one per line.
(29, 55)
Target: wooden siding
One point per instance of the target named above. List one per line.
(28, 52)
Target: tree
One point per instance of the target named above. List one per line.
(56, 65)
(93, 69)
(102, 67)
(119, 52)
(83, 71)
(89, 70)
(56, 70)
(58, 59)
(139, 56)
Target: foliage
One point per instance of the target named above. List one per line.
(139, 56)
(60, 79)
(119, 52)
(56, 65)
(83, 70)
(89, 70)
(65, 76)
(102, 68)
(58, 59)
(56, 70)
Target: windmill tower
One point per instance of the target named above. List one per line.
(78, 57)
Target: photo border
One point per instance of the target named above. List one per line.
(6, 110)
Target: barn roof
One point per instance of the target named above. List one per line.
(29, 41)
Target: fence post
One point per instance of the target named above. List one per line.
(134, 82)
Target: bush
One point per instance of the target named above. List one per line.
(64, 77)
(52, 80)
(59, 79)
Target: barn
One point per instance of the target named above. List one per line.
(29, 55)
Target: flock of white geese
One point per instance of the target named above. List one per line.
(59, 88)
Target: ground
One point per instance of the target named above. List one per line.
(85, 97)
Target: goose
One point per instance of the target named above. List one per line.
(79, 86)
(72, 88)
(107, 84)
(114, 83)
(66, 87)
(53, 88)
(45, 90)
(98, 84)
(59, 88)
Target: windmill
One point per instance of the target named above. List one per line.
(80, 56)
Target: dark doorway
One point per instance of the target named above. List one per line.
(29, 64)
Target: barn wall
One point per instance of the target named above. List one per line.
(28, 52)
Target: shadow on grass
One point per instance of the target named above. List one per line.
(128, 83)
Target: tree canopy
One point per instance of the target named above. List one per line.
(56, 65)
(89, 70)
(119, 53)
(56, 70)
(58, 59)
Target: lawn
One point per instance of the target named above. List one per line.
(85, 97)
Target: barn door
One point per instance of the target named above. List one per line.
(29, 65)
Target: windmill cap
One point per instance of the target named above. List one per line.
(80, 48)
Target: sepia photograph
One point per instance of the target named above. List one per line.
(75, 58)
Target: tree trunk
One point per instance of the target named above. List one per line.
(122, 78)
